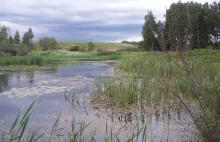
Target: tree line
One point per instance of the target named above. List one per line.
(14, 46)
(193, 25)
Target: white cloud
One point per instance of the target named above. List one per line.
(24, 28)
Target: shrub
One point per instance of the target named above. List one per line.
(16, 50)
(91, 46)
(74, 48)
(48, 43)
(103, 52)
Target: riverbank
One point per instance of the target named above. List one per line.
(39, 59)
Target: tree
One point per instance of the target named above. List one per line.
(4, 33)
(214, 23)
(149, 32)
(187, 23)
(27, 38)
(48, 43)
(53, 43)
(11, 40)
(17, 38)
(91, 46)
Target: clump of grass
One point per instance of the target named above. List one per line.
(30, 60)
(25, 60)
(118, 90)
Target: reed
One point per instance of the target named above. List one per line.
(156, 79)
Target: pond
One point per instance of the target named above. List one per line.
(56, 82)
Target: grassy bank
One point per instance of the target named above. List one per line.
(37, 57)
(41, 58)
(167, 81)
(20, 68)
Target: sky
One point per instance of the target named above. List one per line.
(82, 20)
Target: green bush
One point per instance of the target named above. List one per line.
(74, 48)
(103, 52)
(91, 46)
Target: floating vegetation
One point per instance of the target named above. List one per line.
(50, 86)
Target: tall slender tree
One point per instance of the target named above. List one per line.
(149, 32)
(4, 33)
(17, 38)
(27, 38)
(11, 40)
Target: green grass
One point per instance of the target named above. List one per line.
(40, 58)
(158, 79)
(30, 60)
(151, 67)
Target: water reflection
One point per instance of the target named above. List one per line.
(3, 81)
(30, 76)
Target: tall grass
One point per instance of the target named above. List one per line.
(29, 60)
(162, 80)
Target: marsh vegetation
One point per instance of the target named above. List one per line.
(169, 94)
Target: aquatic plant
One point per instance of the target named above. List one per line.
(169, 80)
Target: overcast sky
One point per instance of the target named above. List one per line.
(82, 20)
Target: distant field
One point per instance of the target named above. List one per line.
(98, 45)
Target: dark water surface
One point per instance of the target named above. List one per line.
(54, 83)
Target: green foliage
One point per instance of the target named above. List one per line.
(74, 48)
(48, 43)
(26, 60)
(27, 38)
(151, 33)
(121, 91)
(155, 79)
(17, 38)
(4, 33)
(192, 24)
(14, 49)
(213, 18)
(11, 40)
(91, 46)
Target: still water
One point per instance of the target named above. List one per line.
(56, 82)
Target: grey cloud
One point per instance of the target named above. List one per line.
(85, 20)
